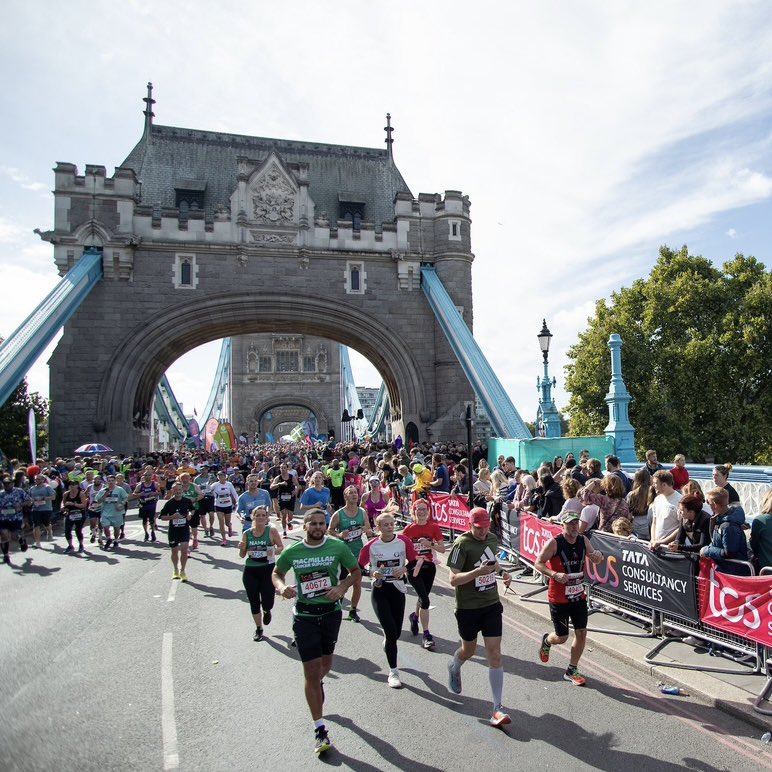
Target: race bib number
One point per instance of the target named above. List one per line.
(386, 567)
(180, 521)
(315, 584)
(258, 553)
(75, 514)
(484, 582)
(38, 502)
(8, 511)
(574, 586)
(111, 499)
(420, 549)
(223, 501)
(285, 496)
(354, 534)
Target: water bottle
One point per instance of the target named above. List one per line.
(669, 689)
(766, 737)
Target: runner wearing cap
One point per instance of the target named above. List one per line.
(473, 567)
(373, 501)
(562, 560)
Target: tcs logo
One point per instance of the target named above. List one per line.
(732, 610)
(603, 573)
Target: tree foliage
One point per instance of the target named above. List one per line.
(14, 422)
(696, 356)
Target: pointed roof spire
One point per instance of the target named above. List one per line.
(148, 111)
(389, 141)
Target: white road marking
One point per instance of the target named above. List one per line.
(173, 590)
(168, 722)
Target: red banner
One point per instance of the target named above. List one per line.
(534, 534)
(737, 604)
(450, 511)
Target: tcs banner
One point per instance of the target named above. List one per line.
(737, 604)
(450, 511)
(534, 534)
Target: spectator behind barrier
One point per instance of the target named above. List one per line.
(652, 464)
(570, 489)
(639, 500)
(728, 538)
(693, 487)
(721, 479)
(614, 466)
(551, 497)
(664, 509)
(761, 534)
(612, 505)
(679, 472)
(694, 533)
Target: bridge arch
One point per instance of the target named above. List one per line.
(146, 352)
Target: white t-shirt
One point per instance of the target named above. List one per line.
(664, 512)
(589, 515)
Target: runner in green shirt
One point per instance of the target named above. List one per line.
(348, 524)
(316, 562)
(473, 568)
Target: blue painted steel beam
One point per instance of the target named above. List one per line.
(504, 418)
(381, 409)
(174, 406)
(163, 414)
(220, 383)
(19, 352)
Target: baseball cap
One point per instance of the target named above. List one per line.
(418, 468)
(479, 517)
(373, 478)
(569, 517)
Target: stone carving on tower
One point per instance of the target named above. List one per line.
(321, 359)
(273, 198)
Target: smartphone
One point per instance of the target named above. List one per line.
(490, 563)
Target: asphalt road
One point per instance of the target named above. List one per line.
(109, 665)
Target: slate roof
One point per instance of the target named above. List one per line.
(167, 155)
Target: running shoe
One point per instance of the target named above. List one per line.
(107, 544)
(153, 537)
(122, 534)
(6, 558)
(23, 546)
(81, 549)
(183, 578)
(500, 718)
(573, 675)
(544, 649)
(225, 542)
(176, 574)
(147, 537)
(353, 616)
(289, 526)
(267, 618)
(285, 533)
(258, 636)
(413, 623)
(93, 537)
(428, 642)
(393, 679)
(211, 533)
(321, 740)
(454, 678)
(68, 548)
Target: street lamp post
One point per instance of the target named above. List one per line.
(547, 419)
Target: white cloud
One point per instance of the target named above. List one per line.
(732, 233)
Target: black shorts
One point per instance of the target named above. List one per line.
(11, 525)
(94, 514)
(195, 519)
(576, 611)
(41, 518)
(147, 512)
(487, 620)
(316, 636)
(224, 510)
(288, 505)
(178, 535)
(206, 505)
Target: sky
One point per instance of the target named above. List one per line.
(586, 134)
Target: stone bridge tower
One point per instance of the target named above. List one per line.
(206, 235)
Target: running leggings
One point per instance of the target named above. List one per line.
(424, 582)
(389, 607)
(259, 587)
(77, 525)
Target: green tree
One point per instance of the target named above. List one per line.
(697, 360)
(14, 422)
